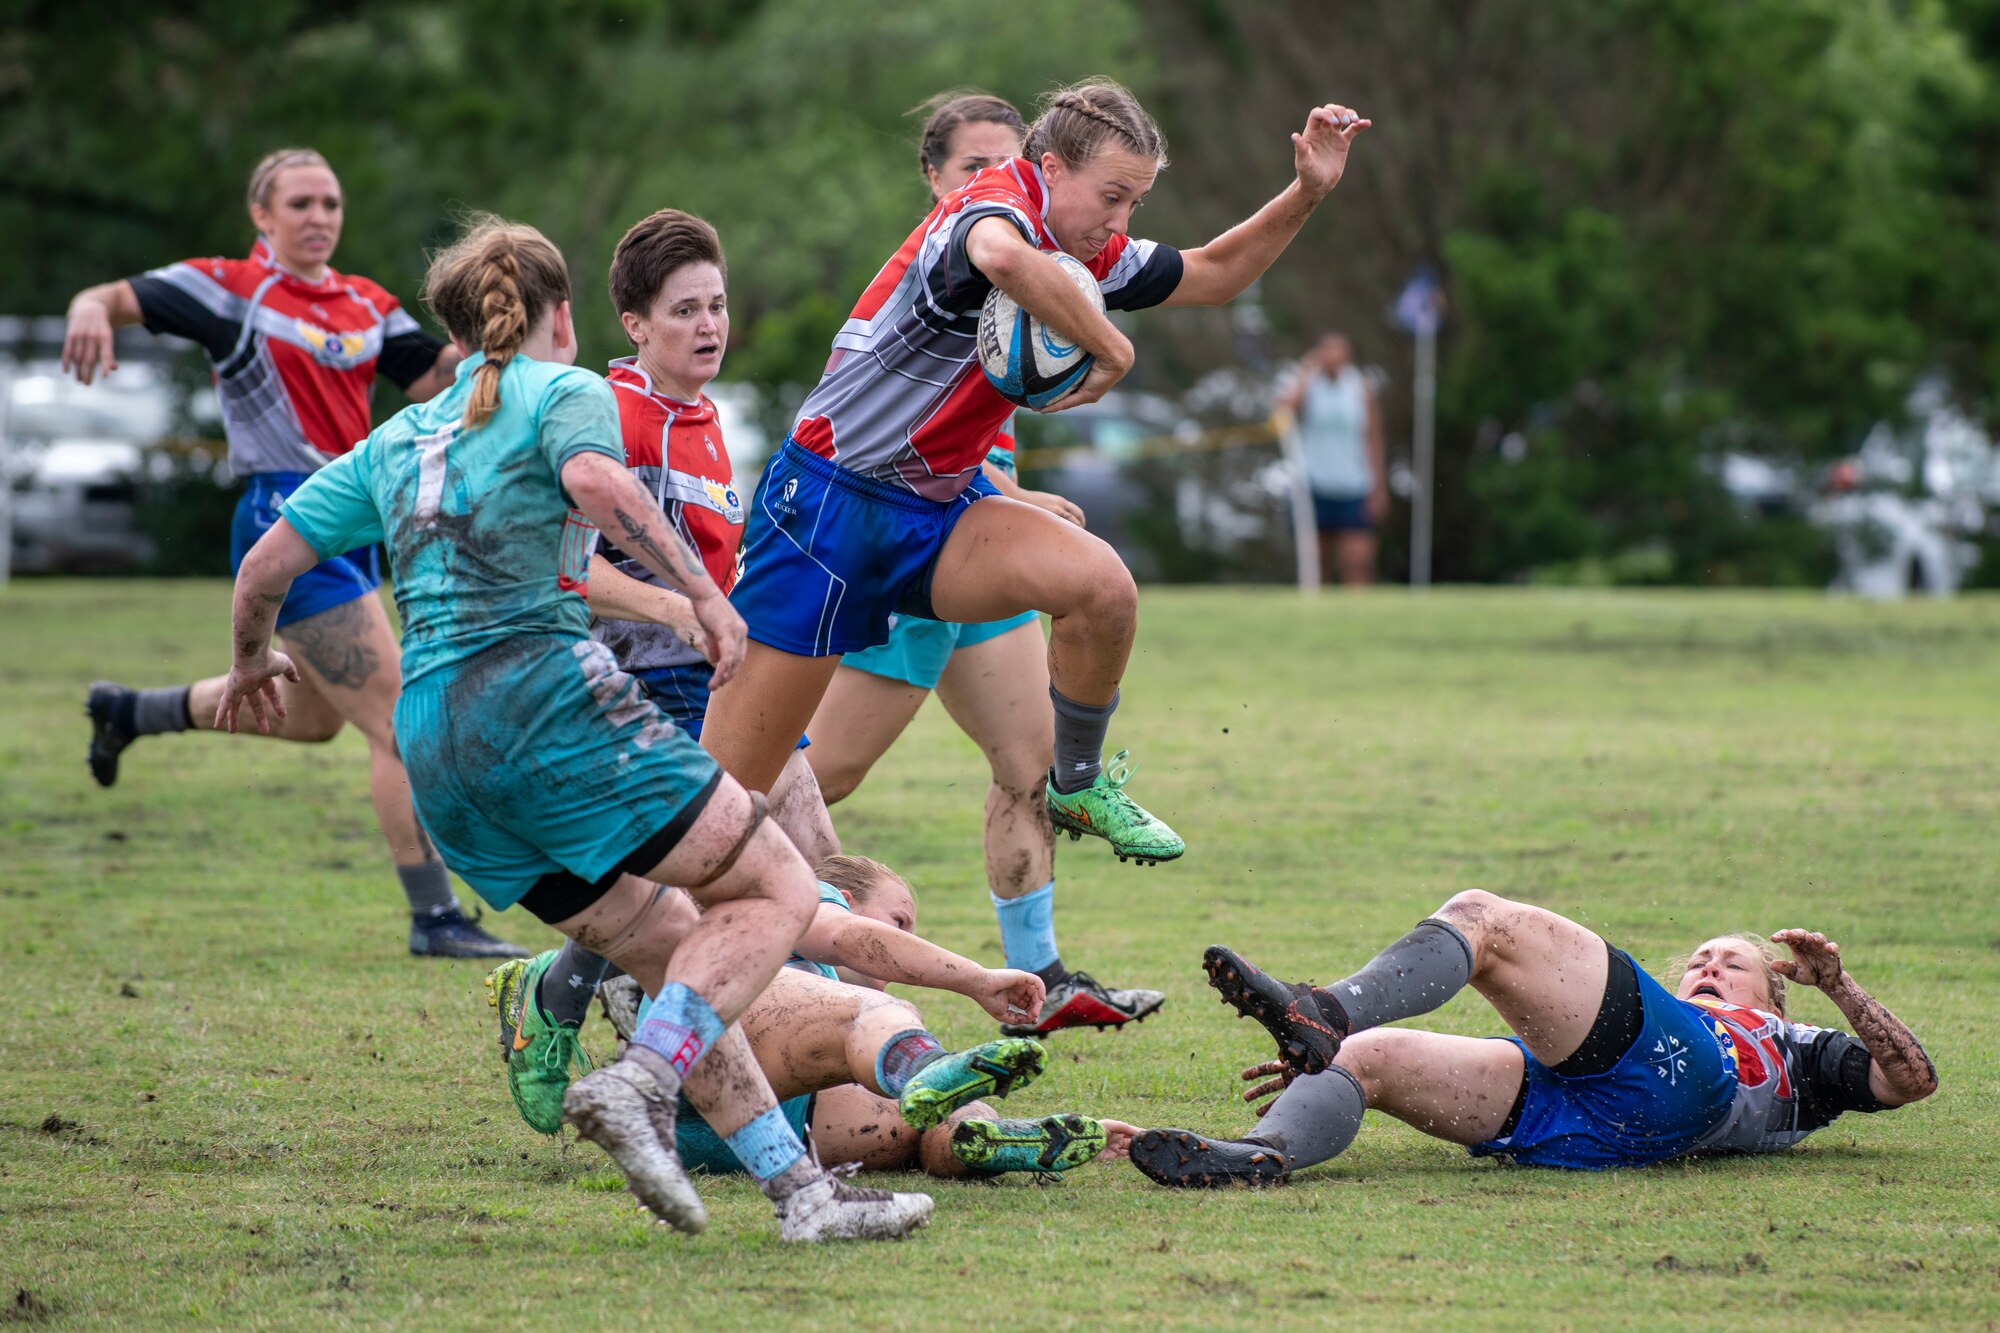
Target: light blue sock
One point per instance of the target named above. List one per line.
(1028, 928)
(767, 1145)
(678, 1026)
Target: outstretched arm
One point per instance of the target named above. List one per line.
(612, 498)
(262, 581)
(94, 313)
(879, 950)
(1899, 1070)
(1220, 271)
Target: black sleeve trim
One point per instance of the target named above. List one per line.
(165, 308)
(963, 282)
(1833, 1078)
(1155, 283)
(408, 357)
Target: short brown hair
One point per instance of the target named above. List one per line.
(960, 106)
(856, 876)
(264, 176)
(1076, 122)
(654, 249)
(489, 287)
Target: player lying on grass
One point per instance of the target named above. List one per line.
(992, 678)
(669, 284)
(858, 1066)
(1605, 1068)
(876, 504)
(538, 768)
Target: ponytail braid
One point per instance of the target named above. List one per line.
(490, 288)
(1075, 123)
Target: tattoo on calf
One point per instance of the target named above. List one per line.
(331, 644)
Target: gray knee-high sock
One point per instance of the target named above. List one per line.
(428, 888)
(158, 711)
(1080, 732)
(1415, 975)
(1314, 1119)
(570, 982)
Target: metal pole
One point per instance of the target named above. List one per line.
(1305, 523)
(1424, 451)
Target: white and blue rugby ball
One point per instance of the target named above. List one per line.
(1027, 362)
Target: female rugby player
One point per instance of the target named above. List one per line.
(868, 509)
(668, 283)
(541, 770)
(992, 678)
(296, 347)
(836, 1052)
(1605, 1068)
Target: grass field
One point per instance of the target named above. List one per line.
(228, 1097)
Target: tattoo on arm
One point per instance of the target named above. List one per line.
(634, 537)
(1894, 1047)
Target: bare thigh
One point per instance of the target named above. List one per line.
(349, 655)
(798, 808)
(755, 721)
(1454, 1088)
(857, 721)
(799, 1028)
(1542, 972)
(1005, 557)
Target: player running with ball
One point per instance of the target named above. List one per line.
(1606, 1068)
(540, 769)
(869, 510)
(992, 678)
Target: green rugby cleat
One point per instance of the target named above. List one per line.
(539, 1053)
(1052, 1144)
(1103, 809)
(990, 1069)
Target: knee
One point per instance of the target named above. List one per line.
(1475, 909)
(1102, 592)
(837, 777)
(1019, 770)
(1372, 1057)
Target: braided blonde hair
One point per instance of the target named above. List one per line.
(1075, 123)
(489, 288)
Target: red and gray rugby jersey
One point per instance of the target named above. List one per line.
(1791, 1079)
(676, 451)
(295, 361)
(902, 400)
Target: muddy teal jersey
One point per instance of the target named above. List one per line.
(483, 542)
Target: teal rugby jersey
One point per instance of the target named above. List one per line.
(483, 543)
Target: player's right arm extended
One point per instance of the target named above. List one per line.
(262, 581)
(997, 249)
(94, 313)
(612, 498)
(877, 949)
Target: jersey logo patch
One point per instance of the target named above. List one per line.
(724, 499)
(340, 350)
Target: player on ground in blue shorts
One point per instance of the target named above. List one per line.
(296, 348)
(992, 678)
(874, 508)
(1606, 1068)
(860, 1067)
(668, 282)
(539, 769)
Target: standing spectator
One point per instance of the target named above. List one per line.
(1340, 436)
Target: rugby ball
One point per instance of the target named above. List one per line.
(1027, 362)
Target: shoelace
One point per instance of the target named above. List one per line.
(1118, 770)
(564, 1047)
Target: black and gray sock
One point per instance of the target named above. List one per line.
(154, 712)
(1415, 975)
(569, 983)
(1080, 730)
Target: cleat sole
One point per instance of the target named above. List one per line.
(1304, 1054)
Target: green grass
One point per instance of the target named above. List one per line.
(227, 1097)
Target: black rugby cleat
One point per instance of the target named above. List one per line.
(1186, 1160)
(1306, 1040)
